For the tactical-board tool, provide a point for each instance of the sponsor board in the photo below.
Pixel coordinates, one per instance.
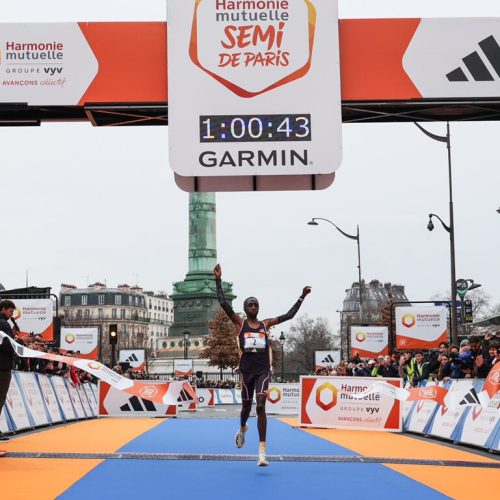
(34, 316)
(135, 357)
(4, 426)
(91, 399)
(183, 367)
(75, 400)
(84, 400)
(274, 83)
(327, 402)
(49, 398)
(326, 359)
(33, 398)
(59, 385)
(283, 399)
(226, 397)
(16, 406)
(369, 341)
(421, 414)
(206, 397)
(116, 403)
(421, 327)
(84, 340)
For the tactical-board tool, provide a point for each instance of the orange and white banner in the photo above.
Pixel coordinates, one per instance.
(183, 367)
(348, 403)
(165, 393)
(82, 340)
(421, 327)
(35, 316)
(369, 341)
(136, 358)
(206, 397)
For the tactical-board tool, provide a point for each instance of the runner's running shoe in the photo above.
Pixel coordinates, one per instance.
(240, 437)
(263, 461)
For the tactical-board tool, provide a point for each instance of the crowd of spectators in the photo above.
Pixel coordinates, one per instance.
(48, 367)
(474, 358)
(125, 370)
(215, 384)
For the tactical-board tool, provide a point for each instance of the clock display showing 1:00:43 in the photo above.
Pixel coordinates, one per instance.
(255, 128)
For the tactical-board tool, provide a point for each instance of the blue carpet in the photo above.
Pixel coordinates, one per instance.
(135, 479)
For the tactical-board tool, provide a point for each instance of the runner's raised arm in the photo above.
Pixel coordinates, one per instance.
(222, 299)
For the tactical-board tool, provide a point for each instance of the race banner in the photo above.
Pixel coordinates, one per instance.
(183, 367)
(206, 397)
(75, 400)
(35, 317)
(491, 386)
(91, 399)
(326, 359)
(63, 397)
(33, 398)
(82, 340)
(49, 397)
(421, 327)
(4, 425)
(165, 393)
(115, 403)
(369, 341)
(136, 358)
(16, 406)
(283, 399)
(328, 402)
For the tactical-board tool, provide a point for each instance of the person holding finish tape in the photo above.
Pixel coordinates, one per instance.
(255, 359)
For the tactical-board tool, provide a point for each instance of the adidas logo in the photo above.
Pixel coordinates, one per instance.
(476, 64)
(134, 404)
(328, 359)
(184, 396)
(132, 358)
(471, 398)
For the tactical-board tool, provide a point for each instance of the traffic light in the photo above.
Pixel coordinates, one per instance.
(113, 334)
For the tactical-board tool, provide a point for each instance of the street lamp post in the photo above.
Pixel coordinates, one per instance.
(186, 334)
(449, 229)
(282, 343)
(313, 222)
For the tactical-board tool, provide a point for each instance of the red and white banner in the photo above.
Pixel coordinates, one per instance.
(136, 358)
(113, 402)
(329, 402)
(421, 327)
(206, 397)
(165, 393)
(82, 340)
(283, 399)
(369, 341)
(183, 367)
(35, 316)
(326, 359)
(491, 386)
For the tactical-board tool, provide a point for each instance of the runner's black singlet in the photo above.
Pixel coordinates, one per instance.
(254, 345)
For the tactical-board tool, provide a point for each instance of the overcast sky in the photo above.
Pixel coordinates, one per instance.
(82, 204)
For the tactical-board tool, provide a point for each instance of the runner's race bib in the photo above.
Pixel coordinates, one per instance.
(255, 342)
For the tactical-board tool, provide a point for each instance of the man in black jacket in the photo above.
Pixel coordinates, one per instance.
(7, 309)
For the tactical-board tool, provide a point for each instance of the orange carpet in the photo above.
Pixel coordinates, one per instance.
(456, 482)
(45, 479)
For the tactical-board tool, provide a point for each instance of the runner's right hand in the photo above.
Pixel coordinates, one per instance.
(218, 272)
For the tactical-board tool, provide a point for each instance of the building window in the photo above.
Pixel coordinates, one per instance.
(67, 300)
(113, 313)
(79, 313)
(122, 313)
(85, 299)
(101, 313)
(172, 344)
(137, 301)
(100, 299)
(196, 343)
(87, 313)
(165, 344)
(131, 300)
(118, 299)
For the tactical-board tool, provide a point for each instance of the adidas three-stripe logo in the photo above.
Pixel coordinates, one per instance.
(184, 396)
(328, 359)
(135, 405)
(475, 64)
(132, 357)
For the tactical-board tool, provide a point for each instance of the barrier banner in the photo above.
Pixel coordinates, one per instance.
(328, 402)
(369, 341)
(184, 402)
(35, 316)
(91, 399)
(491, 386)
(480, 423)
(16, 406)
(206, 397)
(4, 425)
(84, 400)
(283, 399)
(166, 393)
(183, 367)
(115, 403)
(226, 397)
(421, 413)
(136, 358)
(326, 359)
(33, 398)
(49, 397)
(82, 340)
(421, 327)
(63, 397)
(75, 400)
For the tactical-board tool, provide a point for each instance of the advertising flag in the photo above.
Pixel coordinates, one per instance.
(421, 327)
(183, 367)
(82, 340)
(135, 357)
(369, 341)
(34, 317)
(491, 386)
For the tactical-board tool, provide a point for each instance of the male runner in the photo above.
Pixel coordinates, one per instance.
(255, 359)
